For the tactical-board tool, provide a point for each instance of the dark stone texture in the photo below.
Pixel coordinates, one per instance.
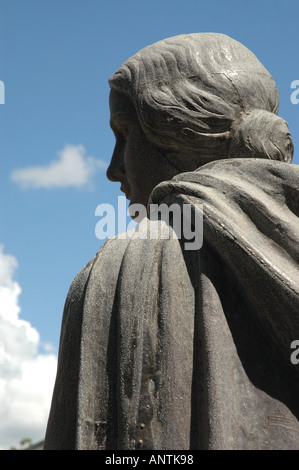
(162, 347)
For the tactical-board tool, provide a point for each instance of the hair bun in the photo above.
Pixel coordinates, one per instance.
(261, 134)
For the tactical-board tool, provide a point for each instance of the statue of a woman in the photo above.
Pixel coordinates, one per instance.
(168, 348)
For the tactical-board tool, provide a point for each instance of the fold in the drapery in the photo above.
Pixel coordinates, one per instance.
(163, 348)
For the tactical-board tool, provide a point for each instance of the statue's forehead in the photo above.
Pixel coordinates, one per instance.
(120, 103)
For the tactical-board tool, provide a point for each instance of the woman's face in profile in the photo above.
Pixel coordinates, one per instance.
(136, 163)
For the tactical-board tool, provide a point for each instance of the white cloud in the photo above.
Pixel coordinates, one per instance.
(26, 376)
(73, 168)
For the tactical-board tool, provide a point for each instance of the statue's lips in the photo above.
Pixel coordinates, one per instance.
(126, 190)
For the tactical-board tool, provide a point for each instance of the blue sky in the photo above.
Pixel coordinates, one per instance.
(55, 60)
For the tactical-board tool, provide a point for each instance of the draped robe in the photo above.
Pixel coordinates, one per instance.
(167, 348)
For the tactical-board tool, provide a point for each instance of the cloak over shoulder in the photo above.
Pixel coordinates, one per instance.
(165, 348)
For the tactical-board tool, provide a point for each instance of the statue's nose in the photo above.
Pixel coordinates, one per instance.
(116, 171)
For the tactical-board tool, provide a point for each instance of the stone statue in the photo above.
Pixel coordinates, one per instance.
(167, 348)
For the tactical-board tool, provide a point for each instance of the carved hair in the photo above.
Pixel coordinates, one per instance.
(205, 96)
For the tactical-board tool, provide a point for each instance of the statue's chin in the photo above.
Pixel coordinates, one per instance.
(137, 211)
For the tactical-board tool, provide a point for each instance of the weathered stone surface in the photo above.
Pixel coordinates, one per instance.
(167, 348)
